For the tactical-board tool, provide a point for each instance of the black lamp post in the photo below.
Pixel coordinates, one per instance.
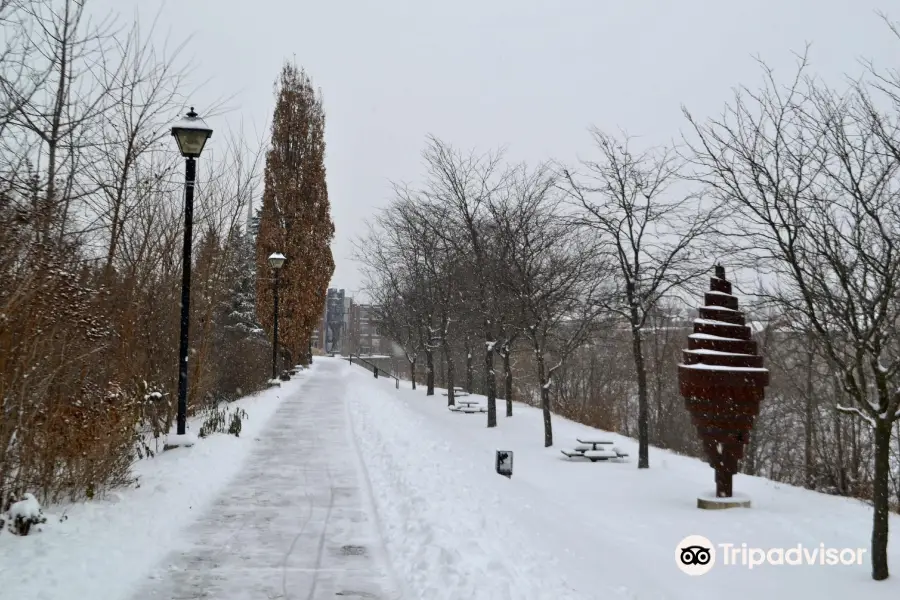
(191, 134)
(276, 261)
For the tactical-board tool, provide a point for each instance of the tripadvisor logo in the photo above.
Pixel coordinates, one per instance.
(696, 555)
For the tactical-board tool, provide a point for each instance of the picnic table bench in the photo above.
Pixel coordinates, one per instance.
(591, 449)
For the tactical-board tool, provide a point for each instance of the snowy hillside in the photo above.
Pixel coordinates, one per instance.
(565, 529)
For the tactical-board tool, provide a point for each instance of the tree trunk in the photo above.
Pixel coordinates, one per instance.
(469, 367)
(881, 499)
(508, 381)
(898, 453)
(591, 396)
(841, 459)
(545, 396)
(490, 379)
(429, 372)
(643, 412)
(53, 137)
(658, 417)
(443, 369)
(657, 424)
(412, 373)
(451, 399)
(809, 475)
(856, 455)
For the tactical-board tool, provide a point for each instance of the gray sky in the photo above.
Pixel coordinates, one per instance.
(531, 75)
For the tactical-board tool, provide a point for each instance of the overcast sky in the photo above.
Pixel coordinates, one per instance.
(531, 75)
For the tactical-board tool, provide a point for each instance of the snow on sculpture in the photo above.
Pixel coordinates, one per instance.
(722, 380)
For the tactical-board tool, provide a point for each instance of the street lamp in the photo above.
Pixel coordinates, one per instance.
(276, 261)
(191, 134)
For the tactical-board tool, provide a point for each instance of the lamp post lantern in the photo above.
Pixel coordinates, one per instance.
(191, 134)
(276, 261)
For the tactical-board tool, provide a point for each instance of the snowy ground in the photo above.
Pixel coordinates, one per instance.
(289, 511)
(564, 529)
(105, 548)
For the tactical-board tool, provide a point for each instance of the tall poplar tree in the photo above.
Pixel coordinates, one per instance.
(296, 216)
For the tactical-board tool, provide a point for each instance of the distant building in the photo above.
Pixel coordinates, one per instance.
(331, 336)
(364, 336)
(335, 319)
(349, 327)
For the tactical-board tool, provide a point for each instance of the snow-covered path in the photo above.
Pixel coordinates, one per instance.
(296, 523)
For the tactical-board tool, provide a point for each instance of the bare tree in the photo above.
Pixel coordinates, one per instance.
(651, 233)
(58, 123)
(554, 274)
(20, 77)
(442, 267)
(513, 217)
(142, 97)
(395, 321)
(393, 255)
(465, 185)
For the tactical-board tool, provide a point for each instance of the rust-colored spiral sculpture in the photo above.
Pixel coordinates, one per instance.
(722, 380)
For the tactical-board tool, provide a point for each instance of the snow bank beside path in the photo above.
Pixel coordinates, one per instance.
(446, 518)
(104, 547)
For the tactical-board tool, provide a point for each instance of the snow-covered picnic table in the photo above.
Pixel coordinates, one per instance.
(458, 392)
(468, 407)
(589, 448)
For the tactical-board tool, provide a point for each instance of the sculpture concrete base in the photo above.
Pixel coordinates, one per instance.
(711, 502)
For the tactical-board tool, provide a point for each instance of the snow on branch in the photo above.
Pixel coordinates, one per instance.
(855, 411)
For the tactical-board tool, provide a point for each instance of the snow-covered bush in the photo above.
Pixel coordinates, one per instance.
(23, 515)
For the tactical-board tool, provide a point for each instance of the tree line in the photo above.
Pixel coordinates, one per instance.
(91, 201)
(573, 287)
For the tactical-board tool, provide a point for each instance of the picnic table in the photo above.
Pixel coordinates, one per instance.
(592, 450)
(458, 391)
(468, 407)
